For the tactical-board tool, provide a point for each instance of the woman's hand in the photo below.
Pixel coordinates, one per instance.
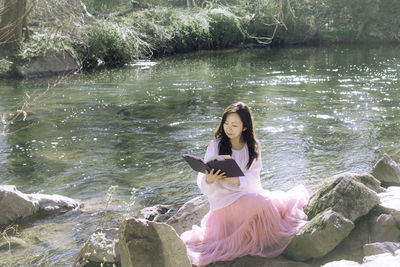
(212, 176)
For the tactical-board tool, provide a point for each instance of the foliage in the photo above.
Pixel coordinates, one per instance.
(108, 44)
(40, 45)
(106, 6)
(225, 28)
(189, 31)
(113, 43)
(177, 30)
(155, 28)
(5, 67)
(344, 21)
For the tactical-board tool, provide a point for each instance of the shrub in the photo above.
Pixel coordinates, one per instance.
(108, 43)
(190, 31)
(225, 28)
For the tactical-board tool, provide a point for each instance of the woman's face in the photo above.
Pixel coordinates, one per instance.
(233, 126)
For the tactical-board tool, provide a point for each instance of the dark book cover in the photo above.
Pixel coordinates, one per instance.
(229, 166)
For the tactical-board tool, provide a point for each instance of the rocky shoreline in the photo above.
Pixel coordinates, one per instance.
(353, 220)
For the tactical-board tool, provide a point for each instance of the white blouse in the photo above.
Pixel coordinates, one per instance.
(222, 194)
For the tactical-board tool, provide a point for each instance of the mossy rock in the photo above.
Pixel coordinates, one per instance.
(319, 236)
(347, 193)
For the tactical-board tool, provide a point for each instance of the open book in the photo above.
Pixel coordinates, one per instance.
(224, 163)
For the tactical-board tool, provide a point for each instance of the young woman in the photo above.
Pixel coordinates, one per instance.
(244, 219)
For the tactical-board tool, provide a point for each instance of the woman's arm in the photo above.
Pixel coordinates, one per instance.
(206, 188)
(251, 178)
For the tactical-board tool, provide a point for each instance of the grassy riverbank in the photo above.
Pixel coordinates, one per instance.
(117, 38)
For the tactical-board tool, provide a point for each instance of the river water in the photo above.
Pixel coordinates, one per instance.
(317, 111)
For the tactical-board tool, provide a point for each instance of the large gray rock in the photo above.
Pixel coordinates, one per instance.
(319, 236)
(351, 248)
(62, 62)
(380, 248)
(15, 205)
(101, 247)
(190, 214)
(387, 171)
(145, 243)
(352, 195)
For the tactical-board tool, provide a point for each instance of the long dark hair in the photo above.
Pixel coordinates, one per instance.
(225, 146)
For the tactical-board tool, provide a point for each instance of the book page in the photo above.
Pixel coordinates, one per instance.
(220, 157)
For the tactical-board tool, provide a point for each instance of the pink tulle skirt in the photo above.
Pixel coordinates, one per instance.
(255, 224)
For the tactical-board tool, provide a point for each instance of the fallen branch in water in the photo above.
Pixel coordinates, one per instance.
(22, 113)
(4, 234)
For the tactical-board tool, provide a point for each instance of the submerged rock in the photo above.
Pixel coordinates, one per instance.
(145, 243)
(15, 205)
(12, 242)
(387, 171)
(62, 62)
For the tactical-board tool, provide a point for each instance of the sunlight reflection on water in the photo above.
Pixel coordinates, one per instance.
(318, 111)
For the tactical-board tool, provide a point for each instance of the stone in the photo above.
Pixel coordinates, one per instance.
(319, 236)
(54, 63)
(384, 228)
(370, 228)
(260, 262)
(346, 194)
(53, 204)
(351, 248)
(15, 205)
(101, 247)
(145, 243)
(385, 259)
(390, 203)
(387, 171)
(154, 213)
(380, 248)
(342, 263)
(190, 214)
